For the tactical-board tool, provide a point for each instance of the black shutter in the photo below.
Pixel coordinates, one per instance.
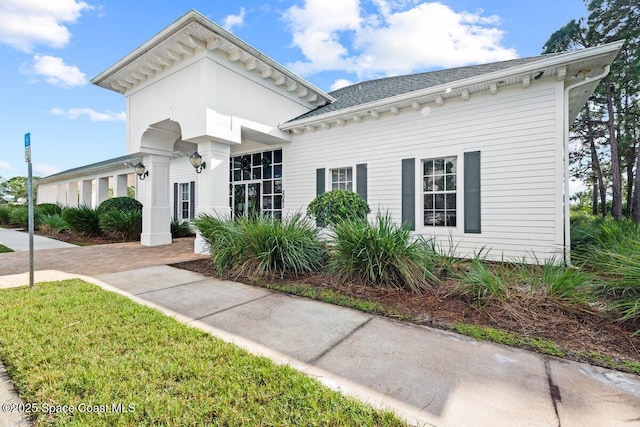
(472, 192)
(175, 200)
(409, 193)
(192, 199)
(319, 181)
(361, 180)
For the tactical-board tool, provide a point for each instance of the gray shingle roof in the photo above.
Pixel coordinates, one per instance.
(374, 90)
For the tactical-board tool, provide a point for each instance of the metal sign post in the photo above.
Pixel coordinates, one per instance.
(27, 158)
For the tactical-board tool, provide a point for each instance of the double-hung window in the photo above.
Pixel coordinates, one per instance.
(185, 200)
(439, 191)
(342, 179)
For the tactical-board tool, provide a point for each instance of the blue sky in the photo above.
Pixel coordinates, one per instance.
(50, 50)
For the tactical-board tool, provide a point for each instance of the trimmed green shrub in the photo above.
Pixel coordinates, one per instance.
(260, 246)
(49, 209)
(53, 224)
(121, 225)
(125, 204)
(334, 207)
(19, 217)
(4, 215)
(181, 228)
(381, 254)
(83, 220)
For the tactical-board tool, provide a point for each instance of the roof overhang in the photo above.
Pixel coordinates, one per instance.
(569, 67)
(193, 33)
(100, 168)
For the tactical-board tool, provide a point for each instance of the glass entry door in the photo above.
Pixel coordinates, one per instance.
(246, 199)
(255, 184)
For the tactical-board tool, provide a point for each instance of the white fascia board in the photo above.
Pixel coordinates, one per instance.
(554, 61)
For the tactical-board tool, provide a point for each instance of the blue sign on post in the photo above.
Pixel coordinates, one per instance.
(27, 147)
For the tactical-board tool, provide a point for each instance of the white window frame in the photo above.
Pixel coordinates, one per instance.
(182, 200)
(444, 191)
(342, 184)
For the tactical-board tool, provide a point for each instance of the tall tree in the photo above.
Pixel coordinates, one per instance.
(615, 105)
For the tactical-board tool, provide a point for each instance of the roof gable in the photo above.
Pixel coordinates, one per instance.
(193, 33)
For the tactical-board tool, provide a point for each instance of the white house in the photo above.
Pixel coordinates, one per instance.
(475, 156)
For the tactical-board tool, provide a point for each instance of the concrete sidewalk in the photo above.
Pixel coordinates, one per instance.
(429, 376)
(19, 241)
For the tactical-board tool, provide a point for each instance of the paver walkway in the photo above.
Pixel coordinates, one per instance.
(430, 376)
(99, 259)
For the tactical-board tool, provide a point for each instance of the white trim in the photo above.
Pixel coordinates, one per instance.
(439, 153)
(447, 89)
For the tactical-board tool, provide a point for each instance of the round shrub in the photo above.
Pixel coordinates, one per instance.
(333, 207)
(49, 209)
(124, 204)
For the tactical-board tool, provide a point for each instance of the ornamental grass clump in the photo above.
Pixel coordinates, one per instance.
(121, 225)
(53, 224)
(611, 250)
(181, 228)
(484, 281)
(261, 246)
(381, 253)
(83, 220)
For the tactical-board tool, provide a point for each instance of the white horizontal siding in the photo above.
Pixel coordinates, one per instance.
(182, 172)
(516, 132)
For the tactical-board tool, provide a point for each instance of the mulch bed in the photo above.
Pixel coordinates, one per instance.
(576, 330)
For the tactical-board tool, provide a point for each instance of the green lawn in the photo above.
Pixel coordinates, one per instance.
(3, 248)
(72, 343)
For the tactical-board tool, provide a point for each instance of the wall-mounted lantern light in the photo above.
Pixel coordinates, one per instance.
(140, 171)
(196, 162)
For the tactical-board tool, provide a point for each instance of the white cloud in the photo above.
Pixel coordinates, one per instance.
(316, 29)
(43, 169)
(391, 37)
(26, 23)
(55, 71)
(4, 166)
(340, 83)
(94, 116)
(231, 21)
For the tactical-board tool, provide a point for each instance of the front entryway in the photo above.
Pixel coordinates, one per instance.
(256, 184)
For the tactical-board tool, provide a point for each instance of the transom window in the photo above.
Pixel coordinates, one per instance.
(342, 179)
(185, 197)
(439, 191)
(256, 184)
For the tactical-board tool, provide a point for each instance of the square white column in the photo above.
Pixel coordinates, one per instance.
(120, 186)
(86, 192)
(213, 185)
(72, 194)
(61, 194)
(102, 192)
(156, 211)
